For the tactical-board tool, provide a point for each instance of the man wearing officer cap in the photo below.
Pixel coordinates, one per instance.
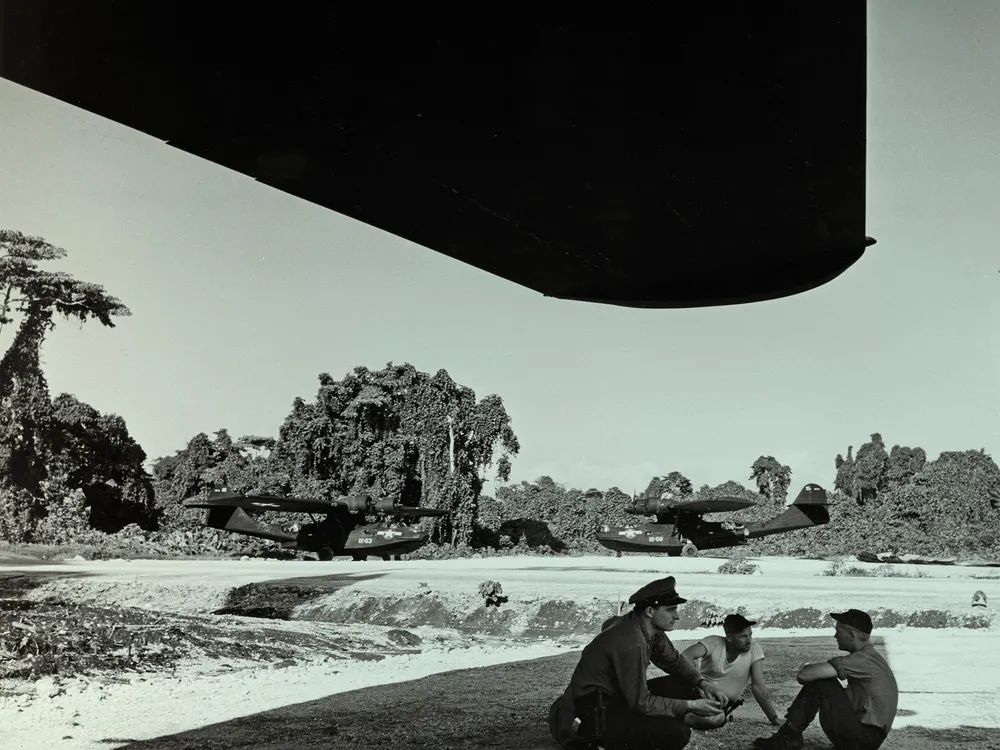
(859, 716)
(612, 673)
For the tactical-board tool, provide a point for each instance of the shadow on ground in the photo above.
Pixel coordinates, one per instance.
(17, 583)
(504, 706)
(276, 599)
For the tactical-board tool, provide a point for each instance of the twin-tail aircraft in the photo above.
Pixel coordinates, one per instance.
(345, 530)
(681, 530)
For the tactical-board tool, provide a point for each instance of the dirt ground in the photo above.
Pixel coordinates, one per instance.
(505, 707)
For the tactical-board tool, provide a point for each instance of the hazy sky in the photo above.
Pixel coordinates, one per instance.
(241, 295)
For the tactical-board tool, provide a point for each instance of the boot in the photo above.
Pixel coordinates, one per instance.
(785, 738)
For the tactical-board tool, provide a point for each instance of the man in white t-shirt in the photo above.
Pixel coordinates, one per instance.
(731, 662)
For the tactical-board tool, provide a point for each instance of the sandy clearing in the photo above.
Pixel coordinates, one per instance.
(202, 586)
(89, 713)
(945, 675)
(238, 572)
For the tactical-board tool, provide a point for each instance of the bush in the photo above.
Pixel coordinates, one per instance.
(492, 592)
(886, 570)
(738, 566)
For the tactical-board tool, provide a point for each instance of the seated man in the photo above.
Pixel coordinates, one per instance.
(859, 717)
(611, 676)
(731, 662)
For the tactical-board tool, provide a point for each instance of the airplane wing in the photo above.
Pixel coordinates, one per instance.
(262, 502)
(406, 510)
(713, 505)
(461, 159)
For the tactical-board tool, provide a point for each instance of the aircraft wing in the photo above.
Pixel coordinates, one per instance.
(554, 161)
(406, 510)
(262, 502)
(713, 505)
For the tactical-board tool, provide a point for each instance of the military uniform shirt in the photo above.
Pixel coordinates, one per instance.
(615, 662)
(871, 686)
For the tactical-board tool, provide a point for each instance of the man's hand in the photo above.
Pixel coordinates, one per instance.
(711, 691)
(705, 707)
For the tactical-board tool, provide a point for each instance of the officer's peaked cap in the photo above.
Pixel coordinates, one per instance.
(658, 593)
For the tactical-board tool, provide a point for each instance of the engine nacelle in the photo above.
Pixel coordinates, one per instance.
(650, 506)
(385, 505)
(356, 503)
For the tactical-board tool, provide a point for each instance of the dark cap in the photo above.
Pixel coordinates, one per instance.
(656, 594)
(736, 623)
(855, 618)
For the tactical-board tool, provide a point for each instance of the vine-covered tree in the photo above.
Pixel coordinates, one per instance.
(402, 433)
(31, 298)
(846, 480)
(207, 464)
(673, 484)
(94, 453)
(871, 469)
(772, 478)
(903, 464)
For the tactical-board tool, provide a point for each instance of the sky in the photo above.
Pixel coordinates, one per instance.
(242, 295)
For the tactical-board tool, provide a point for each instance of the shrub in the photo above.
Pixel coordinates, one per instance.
(738, 566)
(492, 592)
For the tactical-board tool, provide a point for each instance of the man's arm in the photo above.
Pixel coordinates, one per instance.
(694, 652)
(760, 691)
(630, 668)
(822, 670)
(665, 656)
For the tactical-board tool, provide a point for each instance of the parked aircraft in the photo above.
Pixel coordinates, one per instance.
(345, 530)
(681, 530)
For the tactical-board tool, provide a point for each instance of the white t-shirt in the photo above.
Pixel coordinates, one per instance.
(731, 678)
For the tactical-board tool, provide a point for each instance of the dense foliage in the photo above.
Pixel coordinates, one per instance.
(63, 465)
(395, 432)
(71, 475)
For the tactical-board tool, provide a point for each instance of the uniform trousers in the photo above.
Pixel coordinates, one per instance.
(624, 729)
(836, 716)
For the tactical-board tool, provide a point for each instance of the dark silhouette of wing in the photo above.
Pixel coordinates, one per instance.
(262, 503)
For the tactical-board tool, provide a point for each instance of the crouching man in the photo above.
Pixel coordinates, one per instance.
(730, 663)
(858, 717)
(608, 700)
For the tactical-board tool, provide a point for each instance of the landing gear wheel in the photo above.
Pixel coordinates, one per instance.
(618, 554)
(387, 558)
(689, 550)
(359, 558)
(325, 554)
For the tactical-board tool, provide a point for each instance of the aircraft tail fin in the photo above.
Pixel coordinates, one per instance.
(809, 509)
(811, 494)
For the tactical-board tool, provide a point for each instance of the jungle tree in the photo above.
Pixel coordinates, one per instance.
(772, 478)
(871, 469)
(401, 433)
(32, 298)
(673, 484)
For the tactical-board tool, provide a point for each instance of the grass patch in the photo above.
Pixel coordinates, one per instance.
(885, 570)
(107, 550)
(504, 707)
(53, 637)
